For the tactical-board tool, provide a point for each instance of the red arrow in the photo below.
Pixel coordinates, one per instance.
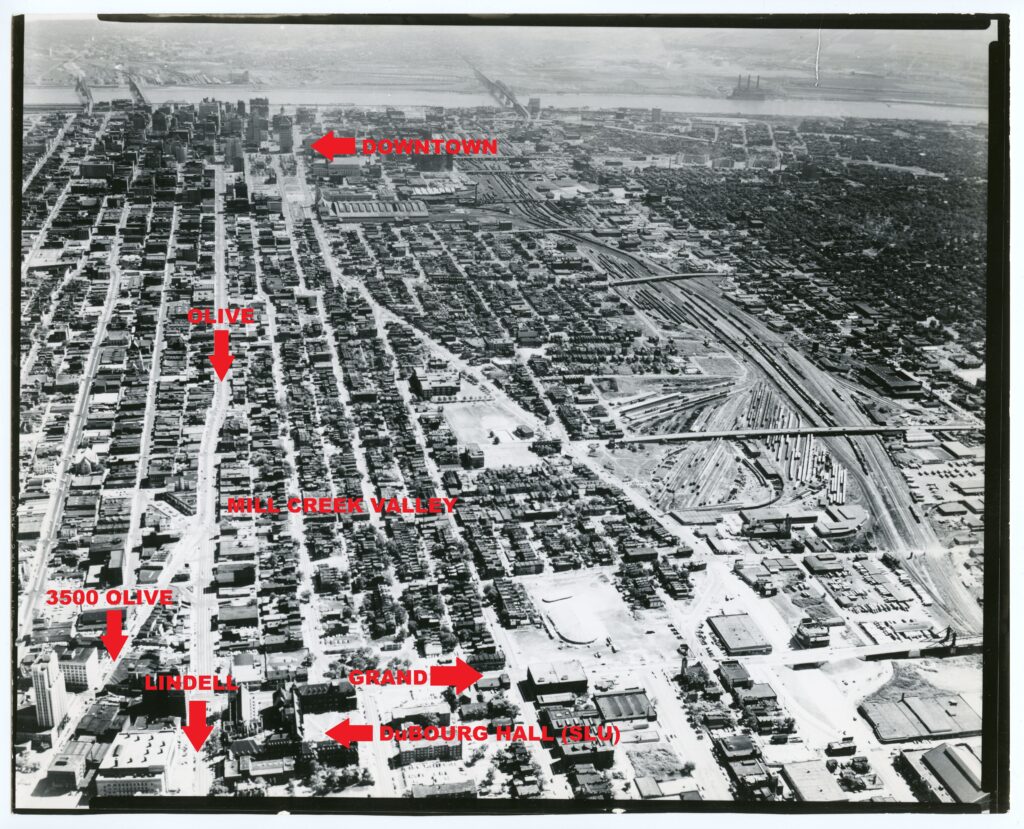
(197, 729)
(331, 145)
(221, 358)
(113, 640)
(346, 733)
(461, 675)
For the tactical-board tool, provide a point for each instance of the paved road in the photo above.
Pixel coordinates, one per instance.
(55, 507)
(57, 139)
(203, 529)
(138, 499)
(76, 423)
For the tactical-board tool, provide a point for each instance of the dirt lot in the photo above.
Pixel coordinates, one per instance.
(475, 423)
(627, 631)
(658, 762)
(928, 677)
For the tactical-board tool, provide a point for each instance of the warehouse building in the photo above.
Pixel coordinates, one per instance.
(623, 706)
(739, 635)
(812, 782)
(557, 678)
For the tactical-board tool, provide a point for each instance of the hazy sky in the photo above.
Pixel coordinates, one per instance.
(587, 56)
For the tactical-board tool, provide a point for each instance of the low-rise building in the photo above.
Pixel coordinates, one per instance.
(557, 677)
(138, 763)
(405, 754)
(739, 635)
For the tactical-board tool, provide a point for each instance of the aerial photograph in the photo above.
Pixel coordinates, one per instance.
(433, 415)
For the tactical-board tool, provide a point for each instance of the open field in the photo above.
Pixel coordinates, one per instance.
(628, 632)
(480, 423)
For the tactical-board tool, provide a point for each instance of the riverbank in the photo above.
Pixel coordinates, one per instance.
(393, 96)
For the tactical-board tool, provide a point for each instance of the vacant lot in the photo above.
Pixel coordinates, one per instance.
(658, 762)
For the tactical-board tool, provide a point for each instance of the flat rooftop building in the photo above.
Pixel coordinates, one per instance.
(137, 763)
(811, 781)
(372, 211)
(739, 635)
(558, 677)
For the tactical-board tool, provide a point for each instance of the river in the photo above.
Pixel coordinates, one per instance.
(411, 98)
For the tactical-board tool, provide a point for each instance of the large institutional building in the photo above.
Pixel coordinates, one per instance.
(137, 763)
(51, 696)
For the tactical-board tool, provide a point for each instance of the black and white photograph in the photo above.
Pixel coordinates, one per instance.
(517, 415)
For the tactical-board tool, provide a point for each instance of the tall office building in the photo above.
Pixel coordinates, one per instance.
(161, 120)
(256, 130)
(51, 696)
(233, 153)
(260, 108)
(208, 108)
(284, 137)
(534, 107)
(80, 668)
(656, 115)
(258, 127)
